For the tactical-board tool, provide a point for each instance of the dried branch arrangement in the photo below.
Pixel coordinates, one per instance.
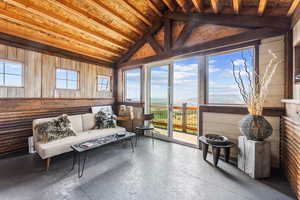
(254, 88)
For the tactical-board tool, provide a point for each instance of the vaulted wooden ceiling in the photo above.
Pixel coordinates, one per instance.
(107, 30)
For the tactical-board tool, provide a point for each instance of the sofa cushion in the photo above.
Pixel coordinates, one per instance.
(76, 122)
(64, 145)
(54, 129)
(88, 121)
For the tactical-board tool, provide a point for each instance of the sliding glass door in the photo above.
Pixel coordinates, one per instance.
(172, 96)
(160, 98)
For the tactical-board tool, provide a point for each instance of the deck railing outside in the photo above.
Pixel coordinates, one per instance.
(184, 118)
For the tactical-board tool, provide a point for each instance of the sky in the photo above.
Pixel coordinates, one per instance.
(222, 87)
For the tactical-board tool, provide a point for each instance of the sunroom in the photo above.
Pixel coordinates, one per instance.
(149, 99)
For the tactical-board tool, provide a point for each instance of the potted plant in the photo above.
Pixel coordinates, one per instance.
(254, 89)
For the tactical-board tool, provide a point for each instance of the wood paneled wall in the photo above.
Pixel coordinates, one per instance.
(39, 98)
(290, 144)
(39, 76)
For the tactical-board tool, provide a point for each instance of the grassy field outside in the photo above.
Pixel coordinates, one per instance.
(161, 119)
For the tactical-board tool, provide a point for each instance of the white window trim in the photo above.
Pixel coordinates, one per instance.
(108, 88)
(22, 74)
(77, 81)
(124, 85)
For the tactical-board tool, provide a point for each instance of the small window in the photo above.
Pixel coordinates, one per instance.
(103, 83)
(11, 74)
(66, 79)
(132, 80)
(222, 88)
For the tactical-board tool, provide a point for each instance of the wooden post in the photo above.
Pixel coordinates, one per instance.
(47, 163)
(184, 117)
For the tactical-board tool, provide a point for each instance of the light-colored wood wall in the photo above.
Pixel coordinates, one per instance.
(39, 76)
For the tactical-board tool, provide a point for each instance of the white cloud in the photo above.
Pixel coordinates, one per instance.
(211, 61)
(238, 62)
(213, 69)
(186, 68)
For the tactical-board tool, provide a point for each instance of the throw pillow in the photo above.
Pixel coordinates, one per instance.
(105, 120)
(55, 129)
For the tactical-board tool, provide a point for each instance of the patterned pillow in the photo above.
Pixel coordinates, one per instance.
(55, 129)
(105, 120)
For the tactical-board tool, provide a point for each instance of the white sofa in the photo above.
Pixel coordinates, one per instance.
(82, 125)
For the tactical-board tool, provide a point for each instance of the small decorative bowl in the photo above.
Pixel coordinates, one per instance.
(216, 139)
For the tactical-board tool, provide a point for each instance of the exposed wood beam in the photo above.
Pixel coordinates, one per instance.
(154, 7)
(157, 48)
(206, 47)
(215, 4)
(198, 5)
(184, 34)
(137, 13)
(119, 17)
(293, 7)
(181, 3)
(90, 18)
(167, 34)
(242, 21)
(8, 14)
(169, 4)
(261, 7)
(236, 6)
(61, 20)
(140, 42)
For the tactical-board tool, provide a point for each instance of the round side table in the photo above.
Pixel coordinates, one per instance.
(215, 150)
(141, 129)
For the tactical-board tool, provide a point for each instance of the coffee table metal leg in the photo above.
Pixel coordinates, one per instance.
(131, 142)
(80, 171)
(204, 150)
(74, 159)
(226, 154)
(216, 155)
(152, 138)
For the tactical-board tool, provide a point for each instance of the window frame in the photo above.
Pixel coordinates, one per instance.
(255, 48)
(124, 83)
(22, 74)
(108, 85)
(66, 69)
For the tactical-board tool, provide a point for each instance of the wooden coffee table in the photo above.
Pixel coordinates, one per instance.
(215, 150)
(96, 143)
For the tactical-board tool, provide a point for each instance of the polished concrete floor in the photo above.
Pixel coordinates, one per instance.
(164, 171)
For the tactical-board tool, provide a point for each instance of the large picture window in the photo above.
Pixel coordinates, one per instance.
(132, 80)
(11, 74)
(222, 88)
(66, 79)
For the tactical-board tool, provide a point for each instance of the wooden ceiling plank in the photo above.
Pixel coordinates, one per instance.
(58, 19)
(153, 43)
(119, 17)
(236, 6)
(262, 7)
(9, 14)
(48, 40)
(154, 7)
(91, 18)
(293, 7)
(169, 4)
(242, 21)
(167, 34)
(198, 5)
(181, 3)
(11, 40)
(184, 34)
(215, 4)
(137, 13)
